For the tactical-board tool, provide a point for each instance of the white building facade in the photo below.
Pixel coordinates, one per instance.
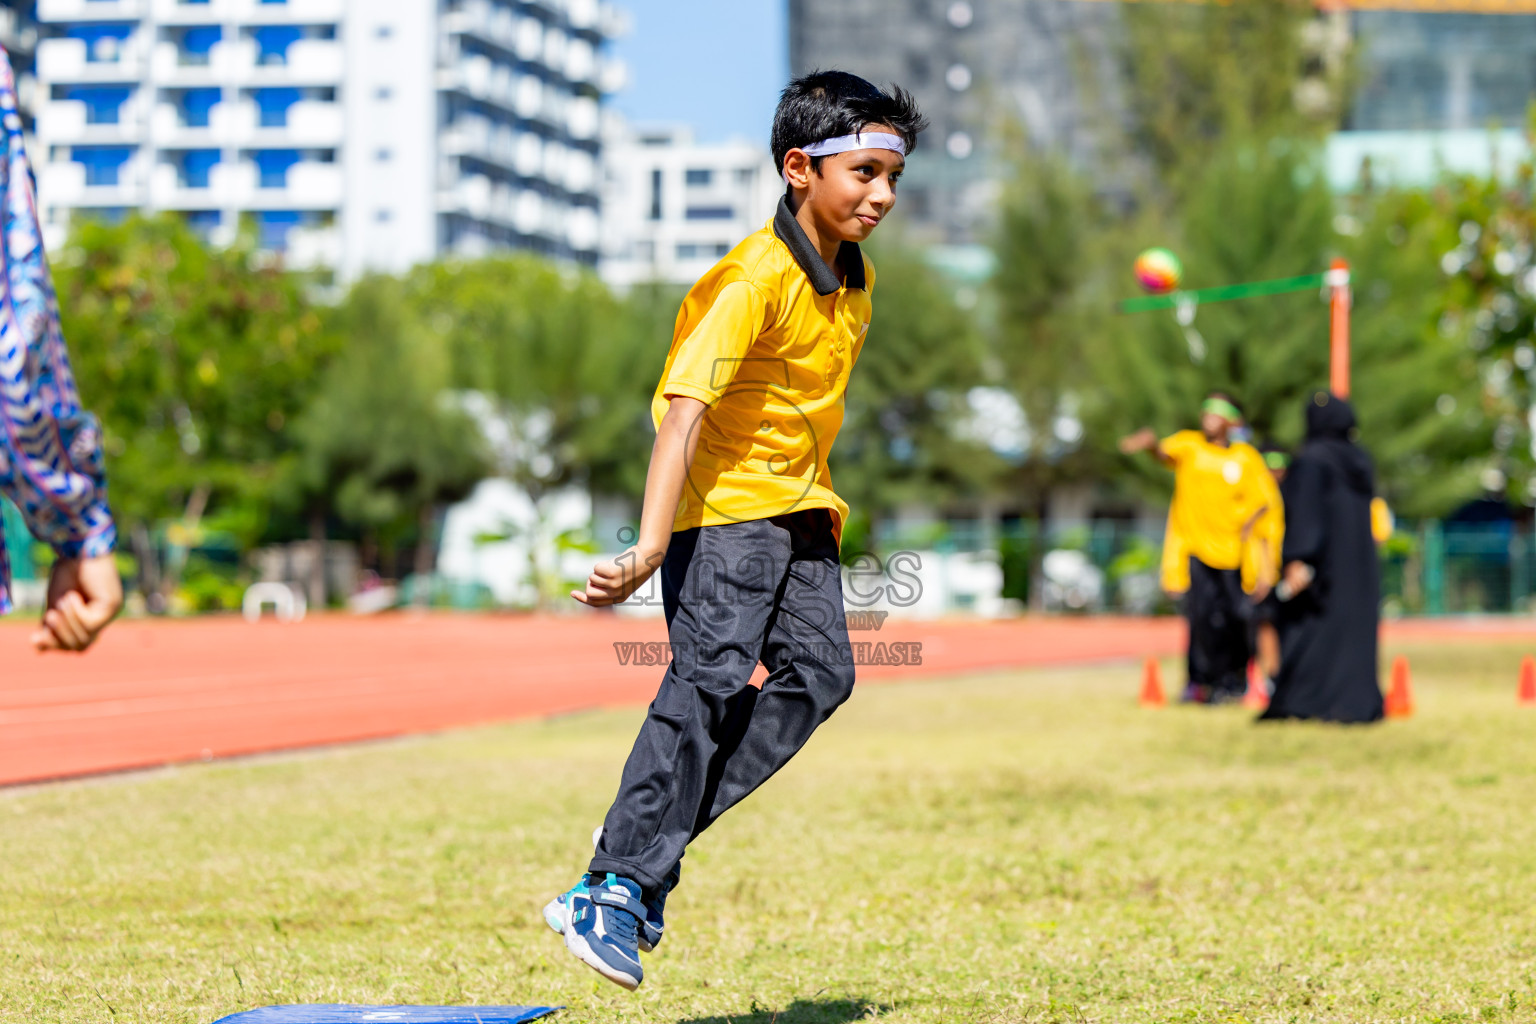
(352, 134)
(672, 206)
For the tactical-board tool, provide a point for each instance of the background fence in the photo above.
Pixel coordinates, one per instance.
(1429, 567)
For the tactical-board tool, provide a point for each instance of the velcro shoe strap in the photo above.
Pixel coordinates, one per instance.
(619, 900)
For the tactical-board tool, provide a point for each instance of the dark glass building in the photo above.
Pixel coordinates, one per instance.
(1442, 72)
(975, 66)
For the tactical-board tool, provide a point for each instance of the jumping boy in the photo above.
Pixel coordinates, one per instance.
(739, 511)
(1221, 490)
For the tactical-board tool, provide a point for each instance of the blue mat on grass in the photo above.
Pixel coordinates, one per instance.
(337, 1013)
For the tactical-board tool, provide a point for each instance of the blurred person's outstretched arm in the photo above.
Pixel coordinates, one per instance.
(1145, 440)
(50, 448)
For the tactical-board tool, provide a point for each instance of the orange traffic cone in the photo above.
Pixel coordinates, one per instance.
(1399, 702)
(1152, 685)
(1257, 696)
(1527, 696)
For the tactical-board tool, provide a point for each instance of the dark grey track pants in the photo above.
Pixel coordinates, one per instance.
(765, 590)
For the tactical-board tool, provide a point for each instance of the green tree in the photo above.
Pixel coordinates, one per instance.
(567, 369)
(195, 359)
(383, 445)
(902, 438)
(1434, 419)
(1199, 76)
(1044, 247)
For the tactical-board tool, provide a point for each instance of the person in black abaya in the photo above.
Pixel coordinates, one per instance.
(1330, 585)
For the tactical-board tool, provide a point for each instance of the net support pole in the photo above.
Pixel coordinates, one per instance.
(1337, 281)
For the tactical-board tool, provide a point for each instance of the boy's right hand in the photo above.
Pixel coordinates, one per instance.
(612, 582)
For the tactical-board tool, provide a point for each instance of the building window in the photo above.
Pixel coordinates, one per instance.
(645, 251)
(383, 156)
(272, 227)
(385, 31)
(656, 194)
(196, 45)
(272, 42)
(710, 213)
(698, 177)
(103, 43)
(196, 167)
(103, 103)
(103, 164)
(687, 251)
(196, 106)
(383, 92)
(272, 166)
(272, 106)
(383, 216)
(202, 222)
(722, 250)
(745, 175)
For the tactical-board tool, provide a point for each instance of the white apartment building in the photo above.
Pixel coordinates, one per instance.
(351, 134)
(672, 206)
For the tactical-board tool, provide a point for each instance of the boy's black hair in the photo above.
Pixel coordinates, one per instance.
(826, 104)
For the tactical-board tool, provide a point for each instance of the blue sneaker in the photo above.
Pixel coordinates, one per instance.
(653, 924)
(557, 912)
(604, 929)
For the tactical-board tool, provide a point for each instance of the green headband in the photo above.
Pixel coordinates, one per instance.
(1276, 460)
(1223, 408)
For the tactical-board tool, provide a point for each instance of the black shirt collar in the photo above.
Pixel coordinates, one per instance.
(822, 279)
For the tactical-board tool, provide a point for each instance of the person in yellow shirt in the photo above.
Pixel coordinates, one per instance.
(1221, 491)
(740, 515)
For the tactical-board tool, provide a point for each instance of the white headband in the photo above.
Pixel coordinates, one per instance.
(849, 143)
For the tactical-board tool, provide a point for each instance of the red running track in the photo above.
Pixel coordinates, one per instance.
(158, 692)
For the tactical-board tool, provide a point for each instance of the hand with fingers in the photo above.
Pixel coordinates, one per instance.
(1297, 577)
(612, 582)
(84, 595)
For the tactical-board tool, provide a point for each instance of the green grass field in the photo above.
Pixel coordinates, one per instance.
(1021, 847)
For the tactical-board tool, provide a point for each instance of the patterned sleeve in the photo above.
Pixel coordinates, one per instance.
(50, 451)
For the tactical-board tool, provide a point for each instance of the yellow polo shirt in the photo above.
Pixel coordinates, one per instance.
(1383, 522)
(1215, 491)
(1262, 559)
(766, 339)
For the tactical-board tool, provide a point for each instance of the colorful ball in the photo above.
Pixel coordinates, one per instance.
(1159, 271)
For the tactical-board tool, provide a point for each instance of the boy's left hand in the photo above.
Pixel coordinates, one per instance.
(612, 582)
(84, 595)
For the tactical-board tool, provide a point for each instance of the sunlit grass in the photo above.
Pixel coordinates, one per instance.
(1021, 847)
